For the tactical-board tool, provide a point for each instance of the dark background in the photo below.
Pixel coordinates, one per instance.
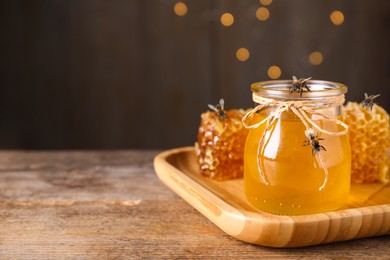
(111, 74)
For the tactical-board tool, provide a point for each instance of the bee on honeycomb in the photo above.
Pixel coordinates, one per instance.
(369, 134)
(221, 142)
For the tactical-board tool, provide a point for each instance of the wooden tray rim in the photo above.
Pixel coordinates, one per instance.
(343, 215)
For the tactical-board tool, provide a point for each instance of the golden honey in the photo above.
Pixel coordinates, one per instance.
(293, 173)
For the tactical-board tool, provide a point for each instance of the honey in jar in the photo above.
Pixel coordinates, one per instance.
(284, 171)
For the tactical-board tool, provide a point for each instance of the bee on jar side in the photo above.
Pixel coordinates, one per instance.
(369, 101)
(219, 109)
(314, 141)
(298, 85)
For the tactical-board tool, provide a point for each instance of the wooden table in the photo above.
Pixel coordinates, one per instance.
(110, 204)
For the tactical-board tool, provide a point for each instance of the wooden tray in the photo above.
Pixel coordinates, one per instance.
(366, 214)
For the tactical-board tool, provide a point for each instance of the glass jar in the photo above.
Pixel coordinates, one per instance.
(285, 171)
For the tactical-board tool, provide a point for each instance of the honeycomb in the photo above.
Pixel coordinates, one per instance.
(369, 134)
(220, 145)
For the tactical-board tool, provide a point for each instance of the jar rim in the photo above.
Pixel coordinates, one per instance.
(281, 89)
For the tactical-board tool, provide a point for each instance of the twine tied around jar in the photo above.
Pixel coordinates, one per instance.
(300, 108)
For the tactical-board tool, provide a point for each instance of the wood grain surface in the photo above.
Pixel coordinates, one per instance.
(110, 204)
(105, 74)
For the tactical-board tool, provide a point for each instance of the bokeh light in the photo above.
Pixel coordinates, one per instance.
(316, 58)
(265, 2)
(227, 19)
(274, 72)
(180, 9)
(242, 54)
(337, 17)
(262, 13)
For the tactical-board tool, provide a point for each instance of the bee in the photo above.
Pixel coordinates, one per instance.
(369, 100)
(219, 109)
(298, 85)
(314, 141)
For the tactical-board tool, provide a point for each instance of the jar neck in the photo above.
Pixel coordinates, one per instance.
(332, 112)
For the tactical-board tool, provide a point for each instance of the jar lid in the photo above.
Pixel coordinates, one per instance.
(280, 89)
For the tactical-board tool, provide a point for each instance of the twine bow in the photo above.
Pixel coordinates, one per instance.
(300, 108)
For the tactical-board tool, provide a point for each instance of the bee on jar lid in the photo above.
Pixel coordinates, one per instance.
(219, 109)
(314, 141)
(369, 100)
(298, 85)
